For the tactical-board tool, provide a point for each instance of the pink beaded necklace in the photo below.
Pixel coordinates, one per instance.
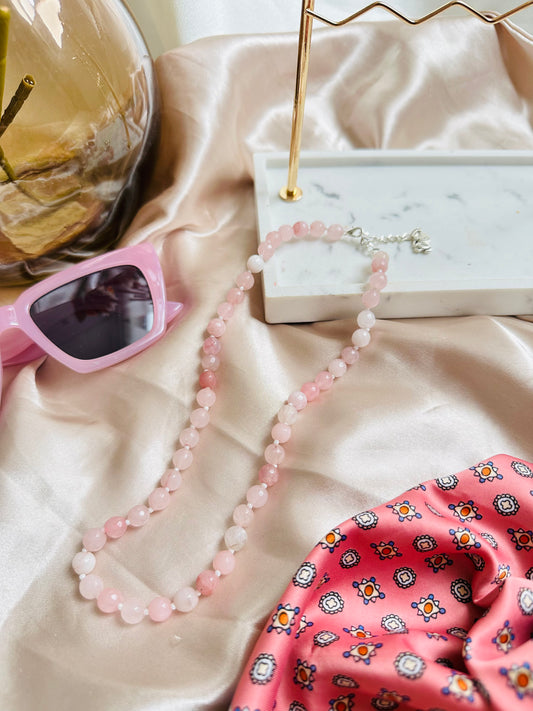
(159, 609)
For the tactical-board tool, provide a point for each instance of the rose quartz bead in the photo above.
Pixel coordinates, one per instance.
(361, 338)
(366, 319)
(224, 562)
(189, 437)
(266, 251)
(311, 391)
(274, 238)
(350, 355)
(83, 562)
(225, 310)
(91, 586)
(301, 229)
(324, 380)
(298, 399)
(182, 459)
(274, 454)
(210, 362)
(334, 232)
(199, 418)
(216, 327)
(235, 538)
(370, 298)
(159, 499)
(235, 296)
(185, 599)
(109, 600)
(206, 582)
(138, 515)
(171, 479)
(257, 496)
(211, 346)
(286, 232)
(115, 527)
(132, 611)
(287, 414)
(206, 397)
(281, 432)
(208, 379)
(255, 264)
(337, 367)
(159, 609)
(378, 281)
(317, 229)
(269, 474)
(245, 280)
(380, 262)
(242, 515)
(94, 539)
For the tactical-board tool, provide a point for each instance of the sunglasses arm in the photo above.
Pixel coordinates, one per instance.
(173, 309)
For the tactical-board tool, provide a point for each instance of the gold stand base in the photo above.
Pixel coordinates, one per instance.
(291, 195)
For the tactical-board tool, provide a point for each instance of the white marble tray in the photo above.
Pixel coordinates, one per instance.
(477, 207)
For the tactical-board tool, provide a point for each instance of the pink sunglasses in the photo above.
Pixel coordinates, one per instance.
(91, 315)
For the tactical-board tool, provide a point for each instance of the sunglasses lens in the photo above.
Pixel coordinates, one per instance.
(97, 314)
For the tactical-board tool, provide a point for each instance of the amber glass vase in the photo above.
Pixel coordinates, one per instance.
(77, 146)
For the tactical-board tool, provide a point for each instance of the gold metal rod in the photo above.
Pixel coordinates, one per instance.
(4, 33)
(484, 17)
(291, 192)
(24, 89)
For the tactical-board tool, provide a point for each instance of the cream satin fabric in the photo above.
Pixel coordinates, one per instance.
(428, 397)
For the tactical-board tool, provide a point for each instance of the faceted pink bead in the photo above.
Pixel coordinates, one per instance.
(243, 515)
(159, 499)
(317, 229)
(138, 515)
(189, 437)
(288, 414)
(246, 280)
(115, 527)
(225, 310)
(206, 582)
(361, 337)
(311, 391)
(281, 432)
(257, 496)
(199, 418)
(274, 454)
(337, 367)
(94, 539)
(159, 609)
(224, 562)
(274, 238)
(132, 611)
(208, 379)
(266, 250)
(211, 346)
(91, 586)
(210, 362)
(83, 562)
(324, 380)
(235, 296)
(185, 599)
(378, 281)
(350, 355)
(366, 319)
(380, 262)
(171, 479)
(109, 600)
(301, 229)
(298, 399)
(182, 459)
(335, 232)
(286, 232)
(206, 397)
(370, 298)
(269, 474)
(216, 327)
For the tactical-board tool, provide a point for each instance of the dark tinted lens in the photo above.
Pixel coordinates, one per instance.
(97, 314)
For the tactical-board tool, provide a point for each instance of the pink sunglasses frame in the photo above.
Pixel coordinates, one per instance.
(28, 342)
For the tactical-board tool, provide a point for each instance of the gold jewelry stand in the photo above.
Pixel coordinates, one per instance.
(291, 192)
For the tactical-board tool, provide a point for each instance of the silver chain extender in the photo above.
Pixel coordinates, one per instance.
(368, 244)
